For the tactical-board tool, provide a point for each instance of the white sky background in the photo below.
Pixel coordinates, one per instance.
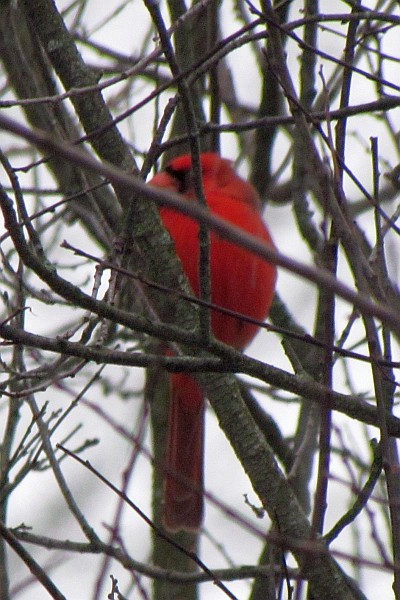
(38, 496)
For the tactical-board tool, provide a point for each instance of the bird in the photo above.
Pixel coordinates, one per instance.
(241, 282)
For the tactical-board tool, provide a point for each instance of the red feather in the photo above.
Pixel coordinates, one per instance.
(240, 281)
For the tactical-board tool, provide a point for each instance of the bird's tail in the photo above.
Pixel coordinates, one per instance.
(183, 484)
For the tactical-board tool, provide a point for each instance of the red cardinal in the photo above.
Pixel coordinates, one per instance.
(240, 281)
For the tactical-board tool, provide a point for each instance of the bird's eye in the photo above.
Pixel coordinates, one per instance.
(183, 179)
